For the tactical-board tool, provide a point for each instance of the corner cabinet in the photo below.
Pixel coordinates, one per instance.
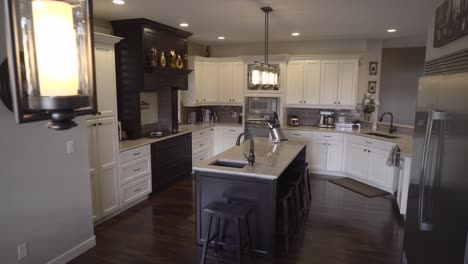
(322, 83)
(215, 82)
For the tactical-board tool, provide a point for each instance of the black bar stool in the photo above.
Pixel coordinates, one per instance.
(286, 227)
(235, 213)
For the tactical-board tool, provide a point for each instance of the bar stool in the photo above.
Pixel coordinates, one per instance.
(298, 188)
(287, 227)
(236, 213)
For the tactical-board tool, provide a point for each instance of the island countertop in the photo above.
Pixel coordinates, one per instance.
(270, 160)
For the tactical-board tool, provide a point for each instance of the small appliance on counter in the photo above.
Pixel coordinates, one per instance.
(293, 120)
(327, 119)
(276, 132)
(192, 118)
(206, 115)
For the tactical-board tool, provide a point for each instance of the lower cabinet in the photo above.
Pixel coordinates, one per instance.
(171, 159)
(103, 159)
(366, 160)
(225, 138)
(202, 145)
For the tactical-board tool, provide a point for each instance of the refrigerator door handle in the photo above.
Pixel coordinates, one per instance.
(466, 250)
(432, 116)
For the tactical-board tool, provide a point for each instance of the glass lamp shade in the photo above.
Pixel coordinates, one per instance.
(51, 59)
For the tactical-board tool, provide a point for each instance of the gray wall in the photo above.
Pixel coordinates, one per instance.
(401, 69)
(45, 195)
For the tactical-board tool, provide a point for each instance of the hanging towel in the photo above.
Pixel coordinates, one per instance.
(394, 157)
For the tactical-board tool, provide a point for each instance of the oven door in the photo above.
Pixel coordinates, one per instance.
(261, 105)
(257, 128)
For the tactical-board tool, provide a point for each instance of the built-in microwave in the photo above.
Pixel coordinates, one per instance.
(261, 105)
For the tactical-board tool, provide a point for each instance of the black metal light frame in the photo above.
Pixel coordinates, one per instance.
(70, 106)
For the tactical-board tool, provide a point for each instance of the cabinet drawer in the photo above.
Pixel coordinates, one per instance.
(327, 136)
(134, 154)
(201, 133)
(204, 155)
(135, 190)
(200, 144)
(135, 169)
(298, 134)
(232, 130)
(370, 142)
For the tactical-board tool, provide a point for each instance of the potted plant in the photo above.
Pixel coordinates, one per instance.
(368, 106)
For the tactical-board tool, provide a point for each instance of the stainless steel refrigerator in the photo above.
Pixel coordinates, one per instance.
(437, 216)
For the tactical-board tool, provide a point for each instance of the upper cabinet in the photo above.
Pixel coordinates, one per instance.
(322, 83)
(215, 82)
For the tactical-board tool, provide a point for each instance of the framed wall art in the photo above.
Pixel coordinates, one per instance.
(373, 67)
(372, 87)
(451, 22)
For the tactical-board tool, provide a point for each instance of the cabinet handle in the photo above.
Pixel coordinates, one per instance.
(137, 190)
(136, 154)
(99, 124)
(327, 136)
(334, 102)
(202, 133)
(300, 102)
(297, 134)
(329, 144)
(233, 100)
(94, 124)
(201, 159)
(325, 143)
(135, 170)
(204, 100)
(99, 113)
(365, 150)
(369, 142)
(339, 102)
(232, 130)
(197, 100)
(201, 145)
(305, 102)
(368, 151)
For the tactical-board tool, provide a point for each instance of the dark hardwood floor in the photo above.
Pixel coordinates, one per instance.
(342, 228)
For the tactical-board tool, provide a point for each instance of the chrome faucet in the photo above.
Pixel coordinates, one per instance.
(251, 157)
(393, 128)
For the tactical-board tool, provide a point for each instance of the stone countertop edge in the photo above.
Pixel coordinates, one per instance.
(405, 142)
(271, 160)
(183, 129)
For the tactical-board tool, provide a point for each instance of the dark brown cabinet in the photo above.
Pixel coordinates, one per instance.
(171, 159)
(133, 66)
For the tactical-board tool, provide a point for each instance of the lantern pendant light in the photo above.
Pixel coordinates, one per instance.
(51, 60)
(264, 75)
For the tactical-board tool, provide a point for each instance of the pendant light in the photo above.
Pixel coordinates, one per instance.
(50, 60)
(264, 76)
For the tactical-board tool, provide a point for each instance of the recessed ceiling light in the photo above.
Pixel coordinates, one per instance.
(184, 24)
(392, 30)
(295, 34)
(220, 37)
(118, 2)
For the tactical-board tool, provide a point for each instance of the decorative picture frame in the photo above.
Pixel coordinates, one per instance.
(373, 67)
(450, 22)
(372, 87)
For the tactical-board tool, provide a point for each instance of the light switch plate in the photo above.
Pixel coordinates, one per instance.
(70, 147)
(22, 251)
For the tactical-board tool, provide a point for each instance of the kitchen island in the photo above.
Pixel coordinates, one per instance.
(227, 176)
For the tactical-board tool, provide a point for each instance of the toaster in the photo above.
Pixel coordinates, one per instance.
(293, 120)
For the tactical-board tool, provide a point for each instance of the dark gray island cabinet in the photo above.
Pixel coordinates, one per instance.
(220, 179)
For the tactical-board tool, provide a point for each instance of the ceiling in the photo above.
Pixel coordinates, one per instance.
(243, 21)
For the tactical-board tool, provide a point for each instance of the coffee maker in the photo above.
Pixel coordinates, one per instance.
(327, 119)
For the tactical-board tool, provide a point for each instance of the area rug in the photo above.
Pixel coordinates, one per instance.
(359, 187)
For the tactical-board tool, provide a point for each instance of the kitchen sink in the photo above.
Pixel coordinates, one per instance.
(230, 164)
(381, 135)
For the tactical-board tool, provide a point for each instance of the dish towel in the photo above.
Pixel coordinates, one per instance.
(394, 157)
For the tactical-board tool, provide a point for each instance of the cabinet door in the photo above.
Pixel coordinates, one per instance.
(378, 172)
(106, 88)
(312, 82)
(107, 149)
(335, 156)
(225, 80)
(197, 91)
(356, 160)
(295, 83)
(93, 172)
(210, 82)
(317, 154)
(218, 140)
(229, 141)
(329, 87)
(349, 71)
(238, 82)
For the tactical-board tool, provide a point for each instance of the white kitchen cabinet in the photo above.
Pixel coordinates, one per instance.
(339, 83)
(202, 145)
(303, 83)
(317, 155)
(215, 81)
(225, 138)
(366, 160)
(404, 175)
(335, 156)
(103, 149)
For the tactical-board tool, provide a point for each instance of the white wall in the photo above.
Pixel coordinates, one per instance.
(45, 197)
(434, 53)
(371, 50)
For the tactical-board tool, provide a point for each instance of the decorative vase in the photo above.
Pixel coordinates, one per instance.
(163, 60)
(173, 59)
(154, 58)
(367, 116)
(179, 62)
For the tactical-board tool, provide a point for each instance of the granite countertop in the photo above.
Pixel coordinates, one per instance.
(183, 129)
(405, 142)
(270, 160)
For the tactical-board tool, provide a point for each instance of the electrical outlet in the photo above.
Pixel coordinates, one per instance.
(70, 147)
(22, 251)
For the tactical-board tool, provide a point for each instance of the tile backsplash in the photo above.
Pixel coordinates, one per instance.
(225, 113)
(310, 117)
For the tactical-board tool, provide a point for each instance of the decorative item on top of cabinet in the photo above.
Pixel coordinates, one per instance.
(179, 62)
(173, 58)
(163, 60)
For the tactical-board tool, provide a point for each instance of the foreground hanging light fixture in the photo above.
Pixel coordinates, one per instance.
(50, 60)
(264, 75)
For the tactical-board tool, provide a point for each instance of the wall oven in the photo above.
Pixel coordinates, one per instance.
(257, 109)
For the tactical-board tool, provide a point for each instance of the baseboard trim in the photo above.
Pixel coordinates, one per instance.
(74, 252)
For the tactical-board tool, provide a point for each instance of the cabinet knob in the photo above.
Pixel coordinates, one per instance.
(99, 113)
(197, 100)
(99, 124)
(339, 102)
(305, 102)
(233, 100)
(94, 124)
(368, 151)
(204, 100)
(300, 102)
(365, 150)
